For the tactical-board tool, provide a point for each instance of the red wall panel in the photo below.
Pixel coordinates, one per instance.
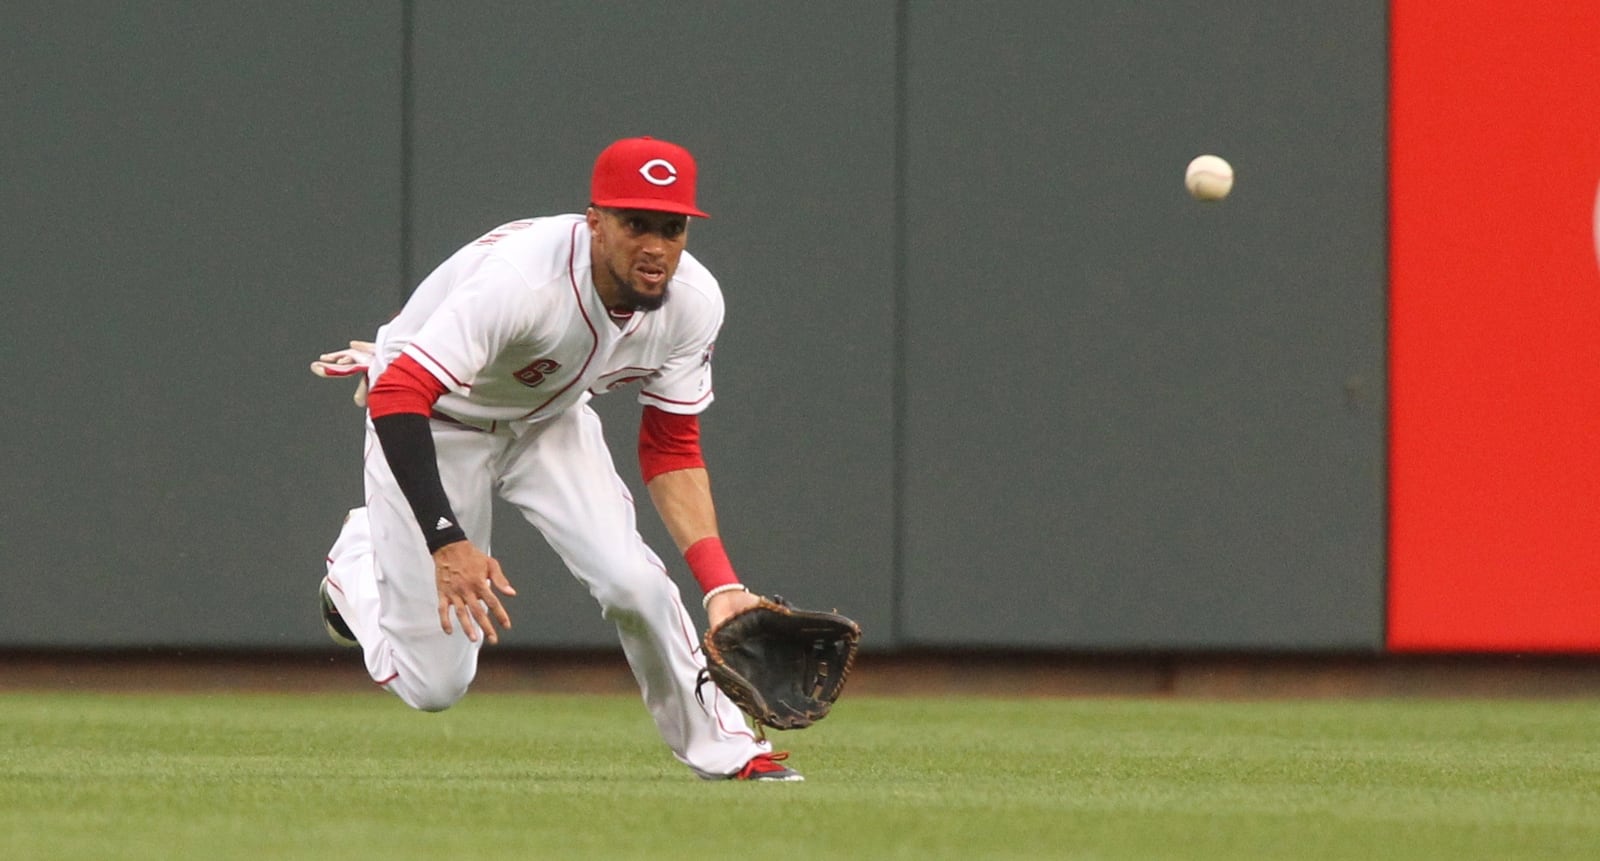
(1494, 326)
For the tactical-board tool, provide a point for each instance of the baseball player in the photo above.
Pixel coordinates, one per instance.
(480, 386)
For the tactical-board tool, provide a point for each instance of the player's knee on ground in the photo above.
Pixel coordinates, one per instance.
(431, 694)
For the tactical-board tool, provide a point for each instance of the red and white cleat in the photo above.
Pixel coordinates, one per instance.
(768, 766)
(353, 362)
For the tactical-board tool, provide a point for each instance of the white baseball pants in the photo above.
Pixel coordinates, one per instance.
(560, 475)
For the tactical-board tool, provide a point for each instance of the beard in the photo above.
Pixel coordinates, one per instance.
(634, 300)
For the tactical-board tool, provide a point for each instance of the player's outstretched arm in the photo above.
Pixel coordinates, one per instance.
(683, 499)
(467, 578)
(675, 473)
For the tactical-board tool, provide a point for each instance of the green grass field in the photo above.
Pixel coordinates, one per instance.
(354, 777)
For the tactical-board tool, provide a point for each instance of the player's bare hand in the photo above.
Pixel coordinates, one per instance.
(468, 579)
(728, 604)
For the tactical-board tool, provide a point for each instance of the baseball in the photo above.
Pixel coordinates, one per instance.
(1209, 177)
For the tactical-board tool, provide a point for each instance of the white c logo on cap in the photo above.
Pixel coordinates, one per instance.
(656, 166)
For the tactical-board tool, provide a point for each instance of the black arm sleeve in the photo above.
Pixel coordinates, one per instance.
(408, 447)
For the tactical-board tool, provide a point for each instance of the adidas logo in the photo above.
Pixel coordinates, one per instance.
(444, 523)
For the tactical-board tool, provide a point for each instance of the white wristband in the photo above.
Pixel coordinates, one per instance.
(726, 587)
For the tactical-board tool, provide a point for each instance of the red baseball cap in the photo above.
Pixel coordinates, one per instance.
(645, 173)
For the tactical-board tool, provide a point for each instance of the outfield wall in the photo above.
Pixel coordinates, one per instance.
(988, 379)
(1495, 310)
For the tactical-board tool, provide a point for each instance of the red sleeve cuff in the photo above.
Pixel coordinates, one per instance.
(404, 387)
(668, 442)
(709, 564)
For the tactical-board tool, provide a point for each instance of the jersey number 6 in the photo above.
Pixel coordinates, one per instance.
(534, 374)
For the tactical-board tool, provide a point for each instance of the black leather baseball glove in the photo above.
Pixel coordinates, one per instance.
(783, 666)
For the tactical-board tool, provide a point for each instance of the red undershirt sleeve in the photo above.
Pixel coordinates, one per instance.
(404, 387)
(668, 442)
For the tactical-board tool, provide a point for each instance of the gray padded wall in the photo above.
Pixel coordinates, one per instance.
(1132, 420)
(988, 378)
(196, 201)
(789, 111)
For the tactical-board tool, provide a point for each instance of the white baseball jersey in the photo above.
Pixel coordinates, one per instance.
(512, 325)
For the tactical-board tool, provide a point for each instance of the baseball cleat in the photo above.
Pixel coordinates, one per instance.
(333, 623)
(353, 362)
(768, 766)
